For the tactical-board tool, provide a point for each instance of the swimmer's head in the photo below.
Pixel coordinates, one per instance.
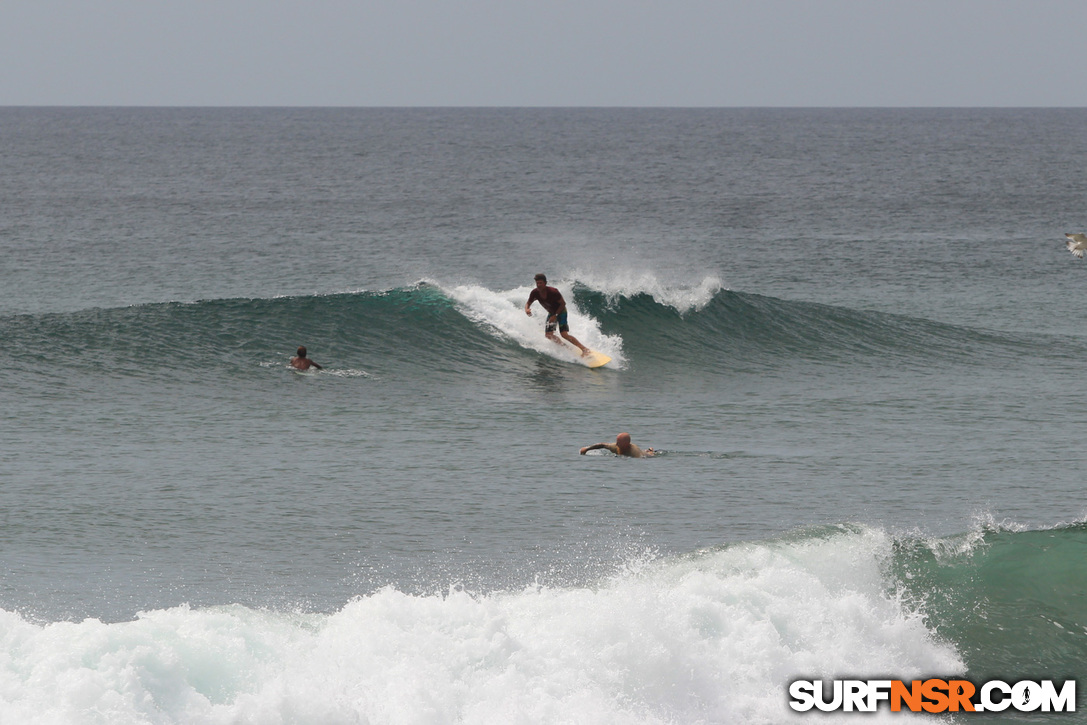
(302, 351)
(623, 440)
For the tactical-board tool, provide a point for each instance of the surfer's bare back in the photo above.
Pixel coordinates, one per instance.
(301, 362)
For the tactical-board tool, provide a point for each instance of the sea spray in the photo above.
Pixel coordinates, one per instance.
(710, 637)
(503, 313)
(682, 298)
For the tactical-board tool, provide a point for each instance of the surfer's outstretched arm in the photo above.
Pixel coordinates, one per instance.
(621, 447)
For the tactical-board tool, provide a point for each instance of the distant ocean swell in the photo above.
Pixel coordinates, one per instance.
(710, 637)
(465, 327)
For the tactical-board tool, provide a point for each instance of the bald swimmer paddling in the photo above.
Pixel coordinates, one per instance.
(621, 447)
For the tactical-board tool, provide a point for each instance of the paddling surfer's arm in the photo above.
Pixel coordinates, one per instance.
(610, 446)
(621, 447)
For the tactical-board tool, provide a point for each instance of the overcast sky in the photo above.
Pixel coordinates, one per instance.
(543, 52)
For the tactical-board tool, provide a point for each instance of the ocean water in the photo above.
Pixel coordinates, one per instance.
(854, 336)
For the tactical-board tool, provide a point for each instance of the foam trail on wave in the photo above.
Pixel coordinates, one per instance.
(714, 637)
(504, 312)
(630, 284)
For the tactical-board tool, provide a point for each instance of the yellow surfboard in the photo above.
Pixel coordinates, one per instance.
(594, 359)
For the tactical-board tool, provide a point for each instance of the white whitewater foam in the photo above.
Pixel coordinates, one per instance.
(629, 284)
(710, 638)
(346, 373)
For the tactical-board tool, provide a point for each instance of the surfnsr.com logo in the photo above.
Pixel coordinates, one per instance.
(933, 695)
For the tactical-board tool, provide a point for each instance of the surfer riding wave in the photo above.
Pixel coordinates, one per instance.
(552, 301)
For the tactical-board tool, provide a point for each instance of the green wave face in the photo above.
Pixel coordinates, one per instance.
(428, 328)
(750, 331)
(1013, 602)
(419, 324)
